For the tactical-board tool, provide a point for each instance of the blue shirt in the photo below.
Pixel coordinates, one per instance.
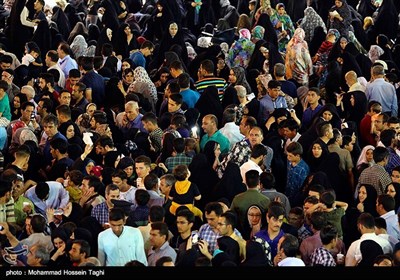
(190, 97)
(66, 64)
(267, 106)
(58, 197)
(138, 59)
(295, 178)
(385, 93)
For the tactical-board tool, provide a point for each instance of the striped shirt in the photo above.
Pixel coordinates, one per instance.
(219, 83)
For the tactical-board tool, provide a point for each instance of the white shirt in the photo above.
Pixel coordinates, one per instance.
(353, 256)
(232, 132)
(249, 165)
(118, 250)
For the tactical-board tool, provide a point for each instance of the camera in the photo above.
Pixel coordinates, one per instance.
(58, 212)
(32, 115)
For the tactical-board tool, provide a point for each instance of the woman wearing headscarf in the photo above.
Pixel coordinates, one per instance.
(263, 19)
(255, 255)
(237, 76)
(340, 17)
(283, 26)
(366, 8)
(209, 103)
(124, 41)
(79, 29)
(387, 16)
(198, 14)
(143, 85)
(375, 52)
(172, 36)
(202, 173)
(159, 21)
(62, 21)
(106, 36)
(310, 21)
(257, 33)
(383, 42)
(298, 60)
(240, 52)
(79, 46)
(364, 203)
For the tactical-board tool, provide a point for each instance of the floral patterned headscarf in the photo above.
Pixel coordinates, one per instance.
(258, 32)
(244, 33)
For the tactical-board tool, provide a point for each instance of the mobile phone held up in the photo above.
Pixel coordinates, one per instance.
(195, 238)
(194, 132)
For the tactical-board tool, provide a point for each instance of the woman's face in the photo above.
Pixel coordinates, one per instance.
(159, 7)
(254, 216)
(128, 78)
(343, 43)
(369, 155)
(89, 167)
(281, 11)
(129, 171)
(125, 65)
(391, 190)
(58, 242)
(395, 176)
(127, 30)
(217, 150)
(316, 150)
(338, 3)
(70, 132)
(327, 115)
(173, 29)
(362, 194)
(232, 77)
(90, 110)
(17, 102)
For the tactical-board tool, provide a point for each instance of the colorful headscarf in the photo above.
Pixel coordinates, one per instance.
(244, 33)
(258, 32)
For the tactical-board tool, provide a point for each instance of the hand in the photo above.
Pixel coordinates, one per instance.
(27, 208)
(68, 209)
(162, 165)
(50, 214)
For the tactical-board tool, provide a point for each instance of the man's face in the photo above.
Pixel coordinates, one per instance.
(208, 125)
(222, 227)
(4, 65)
(42, 84)
(117, 226)
(212, 219)
(73, 81)
(173, 106)
(26, 114)
(74, 253)
(312, 97)
(131, 112)
(118, 181)
(5, 76)
(100, 150)
(50, 129)
(164, 188)
(290, 134)
(255, 136)
(274, 224)
(114, 194)
(183, 225)
(76, 94)
(274, 92)
(141, 169)
(156, 240)
(31, 259)
(65, 98)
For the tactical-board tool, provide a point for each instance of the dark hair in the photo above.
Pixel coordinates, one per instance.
(42, 190)
(252, 178)
(327, 234)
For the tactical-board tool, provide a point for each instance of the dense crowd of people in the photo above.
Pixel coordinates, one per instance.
(199, 133)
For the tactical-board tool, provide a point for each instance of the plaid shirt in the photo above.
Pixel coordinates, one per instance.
(322, 256)
(375, 175)
(100, 212)
(208, 234)
(181, 158)
(7, 212)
